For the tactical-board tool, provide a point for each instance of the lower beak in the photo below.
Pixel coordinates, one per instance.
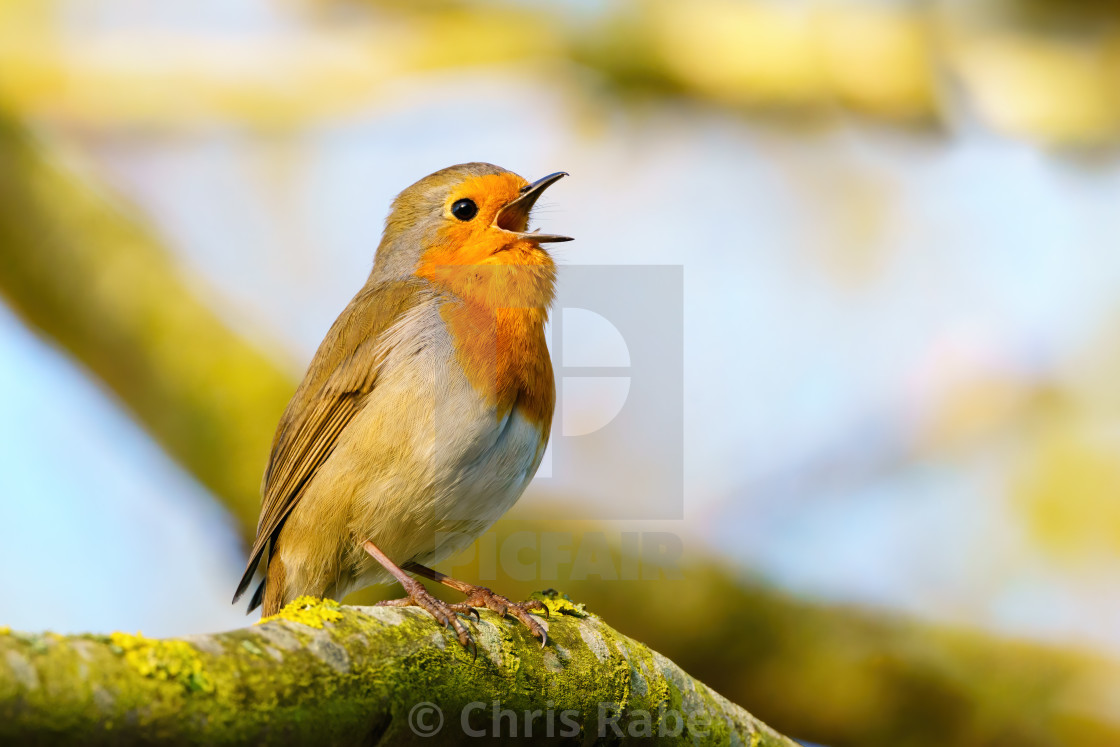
(516, 213)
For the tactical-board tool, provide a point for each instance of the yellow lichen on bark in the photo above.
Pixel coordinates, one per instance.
(309, 611)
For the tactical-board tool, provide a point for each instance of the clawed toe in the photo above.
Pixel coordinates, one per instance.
(482, 597)
(530, 622)
(465, 609)
(479, 597)
(535, 605)
(443, 612)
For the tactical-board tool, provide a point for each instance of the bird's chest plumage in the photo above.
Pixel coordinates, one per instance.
(503, 356)
(493, 402)
(452, 434)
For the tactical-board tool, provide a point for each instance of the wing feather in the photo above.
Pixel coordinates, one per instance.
(342, 375)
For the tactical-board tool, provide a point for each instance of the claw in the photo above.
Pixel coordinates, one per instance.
(480, 596)
(443, 613)
(465, 609)
(483, 597)
(534, 604)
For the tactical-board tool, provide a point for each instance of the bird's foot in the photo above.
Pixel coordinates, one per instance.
(480, 596)
(443, 612)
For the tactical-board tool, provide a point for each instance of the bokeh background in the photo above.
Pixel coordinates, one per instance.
(898, 225)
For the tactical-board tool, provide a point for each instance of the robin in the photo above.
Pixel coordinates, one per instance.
(426, 409)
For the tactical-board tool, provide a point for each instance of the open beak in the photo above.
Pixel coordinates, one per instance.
(514, 217)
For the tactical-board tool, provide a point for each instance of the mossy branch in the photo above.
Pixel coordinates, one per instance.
(321, 673)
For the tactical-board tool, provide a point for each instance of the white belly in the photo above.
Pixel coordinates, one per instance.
(435, 468)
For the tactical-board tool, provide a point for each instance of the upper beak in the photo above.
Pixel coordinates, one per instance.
(516, 213)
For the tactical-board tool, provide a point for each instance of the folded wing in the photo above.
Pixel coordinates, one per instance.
(339, 381)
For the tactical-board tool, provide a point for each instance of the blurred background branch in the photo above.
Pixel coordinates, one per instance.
(94, 278)
(902, 64)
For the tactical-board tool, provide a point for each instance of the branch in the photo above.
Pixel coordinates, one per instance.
(321, 673)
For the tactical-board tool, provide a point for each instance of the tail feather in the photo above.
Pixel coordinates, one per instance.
(258, 596)
(247, 578)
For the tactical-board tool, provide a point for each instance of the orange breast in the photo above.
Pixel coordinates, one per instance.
(503, 354)
(503, 293)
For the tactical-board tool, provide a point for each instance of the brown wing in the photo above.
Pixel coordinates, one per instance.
(338, 381)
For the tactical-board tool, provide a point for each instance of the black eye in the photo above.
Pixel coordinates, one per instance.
(464, 210)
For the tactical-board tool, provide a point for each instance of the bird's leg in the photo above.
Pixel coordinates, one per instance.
(418, 596)
(480, 596)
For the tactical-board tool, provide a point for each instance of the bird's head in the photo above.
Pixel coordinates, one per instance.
(465, 229)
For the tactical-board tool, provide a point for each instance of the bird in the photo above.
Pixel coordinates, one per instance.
(426, 410)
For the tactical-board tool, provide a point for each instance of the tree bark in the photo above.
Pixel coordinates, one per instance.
(321, 673)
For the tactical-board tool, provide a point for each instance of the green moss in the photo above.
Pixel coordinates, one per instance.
(36, 642)
(168, 660)
(252, 648)
(320, 683)
(308, 611)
